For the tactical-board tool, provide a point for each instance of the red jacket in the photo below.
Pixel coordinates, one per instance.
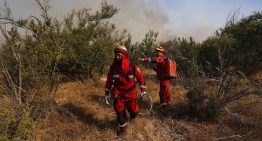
(124, 82)
(159, 65)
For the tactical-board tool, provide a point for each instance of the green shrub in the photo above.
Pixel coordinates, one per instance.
(24, 127)
(213, 108)
(7, 118)
(15, 124)
(201, 105)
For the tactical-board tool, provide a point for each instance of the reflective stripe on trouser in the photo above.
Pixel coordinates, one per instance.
(164, 92)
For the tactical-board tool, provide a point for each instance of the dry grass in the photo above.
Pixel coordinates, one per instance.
(82, 115)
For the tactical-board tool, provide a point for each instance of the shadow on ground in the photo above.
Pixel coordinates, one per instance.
(84, 116)
(178, 111)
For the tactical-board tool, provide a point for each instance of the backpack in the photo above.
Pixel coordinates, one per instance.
(170, 69)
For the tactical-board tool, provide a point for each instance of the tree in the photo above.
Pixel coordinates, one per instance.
(49, 48)
(247, 33)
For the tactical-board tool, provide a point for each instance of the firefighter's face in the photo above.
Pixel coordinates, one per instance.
(159, 53)
(118, 56)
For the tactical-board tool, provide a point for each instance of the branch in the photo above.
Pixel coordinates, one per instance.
(198, 68)
(223, 138)
(44, 6)
(233, 136)
(8, 78)
(5, 21)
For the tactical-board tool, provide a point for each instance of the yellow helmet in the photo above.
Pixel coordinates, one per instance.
(162, 49)
(121, 48)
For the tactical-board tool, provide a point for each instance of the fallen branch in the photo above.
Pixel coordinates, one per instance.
(223, 138)
(228, 137)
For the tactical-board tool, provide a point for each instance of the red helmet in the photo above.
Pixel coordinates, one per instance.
(162, 49)
(120, 49)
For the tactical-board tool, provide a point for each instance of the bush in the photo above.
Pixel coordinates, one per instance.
(210, 97)
(198, 103)
(245, 50)
(24, 127)
(79, 46)
(14, 123)
(7, 118)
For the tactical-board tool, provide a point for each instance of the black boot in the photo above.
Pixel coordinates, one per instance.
(121, 131)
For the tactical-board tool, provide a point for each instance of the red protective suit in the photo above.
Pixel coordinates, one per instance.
(122, 76)
(164, 92)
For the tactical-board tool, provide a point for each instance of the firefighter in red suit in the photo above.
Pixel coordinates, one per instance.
(158, 62)
(122, 77)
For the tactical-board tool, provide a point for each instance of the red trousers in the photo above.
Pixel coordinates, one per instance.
(164, 92)
(120, 104)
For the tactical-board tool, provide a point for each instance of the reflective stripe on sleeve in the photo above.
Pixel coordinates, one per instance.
(116, 76)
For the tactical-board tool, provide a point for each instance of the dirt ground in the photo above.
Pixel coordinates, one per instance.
(81, 114)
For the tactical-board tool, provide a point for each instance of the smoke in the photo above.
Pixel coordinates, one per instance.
(136, 16)
(198, 27)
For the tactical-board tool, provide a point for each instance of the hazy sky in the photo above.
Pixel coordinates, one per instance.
(171, 18)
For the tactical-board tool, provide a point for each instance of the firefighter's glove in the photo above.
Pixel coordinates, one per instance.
(107, 99)
(143, 95)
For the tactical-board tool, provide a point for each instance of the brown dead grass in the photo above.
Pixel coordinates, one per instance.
(82, 115)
